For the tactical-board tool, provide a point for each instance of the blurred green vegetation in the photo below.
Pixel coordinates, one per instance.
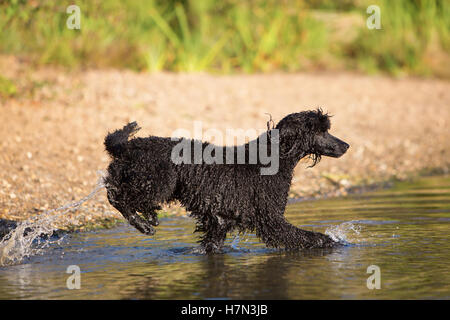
(231, 35)
(7, 88)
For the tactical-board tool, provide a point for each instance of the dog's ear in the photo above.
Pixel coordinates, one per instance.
(289, 139)
(319, 123)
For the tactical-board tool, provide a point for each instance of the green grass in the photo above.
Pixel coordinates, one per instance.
(7, 88)
(231, 35)
(414, 39)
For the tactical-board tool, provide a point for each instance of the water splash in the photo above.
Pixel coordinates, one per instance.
(27, 239)
(238, 238)
(344, 233)
(234, 243)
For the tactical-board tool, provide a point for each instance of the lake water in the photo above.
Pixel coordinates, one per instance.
(403, 231)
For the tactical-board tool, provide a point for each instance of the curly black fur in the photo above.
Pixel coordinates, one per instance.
(221, 197)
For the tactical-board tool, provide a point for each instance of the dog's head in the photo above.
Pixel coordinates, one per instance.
(306, 133)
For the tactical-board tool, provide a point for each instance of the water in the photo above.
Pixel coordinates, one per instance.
(31, 236)
(404, 231)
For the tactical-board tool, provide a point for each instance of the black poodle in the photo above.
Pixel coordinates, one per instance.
(224, 195)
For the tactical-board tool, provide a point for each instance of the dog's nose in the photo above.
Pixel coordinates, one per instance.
(346, 146)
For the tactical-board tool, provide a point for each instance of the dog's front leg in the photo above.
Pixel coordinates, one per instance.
(214, 234)
(278, 232)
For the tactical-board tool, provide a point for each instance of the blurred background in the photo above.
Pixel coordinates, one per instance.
(225, 63)
(232, 36)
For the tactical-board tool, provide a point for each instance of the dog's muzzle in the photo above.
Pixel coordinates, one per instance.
(331, 146)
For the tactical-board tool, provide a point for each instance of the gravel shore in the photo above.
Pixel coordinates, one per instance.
(51, 146)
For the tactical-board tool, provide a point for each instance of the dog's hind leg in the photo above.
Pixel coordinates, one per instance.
(150, 215)
(131, 215)
(137, 221)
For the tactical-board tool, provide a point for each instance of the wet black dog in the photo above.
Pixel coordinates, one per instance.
(221, 197)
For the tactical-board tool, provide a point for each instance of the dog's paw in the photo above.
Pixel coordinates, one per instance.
(146, 229)
(325, 241)
(142, 225)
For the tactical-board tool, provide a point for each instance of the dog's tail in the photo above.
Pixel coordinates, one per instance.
(115, 142)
